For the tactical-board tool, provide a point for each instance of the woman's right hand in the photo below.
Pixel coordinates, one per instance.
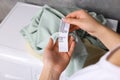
(81, 19)
(87, 23)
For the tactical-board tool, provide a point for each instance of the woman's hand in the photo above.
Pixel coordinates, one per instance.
(55, 60)
(84, 21)
(80, 19)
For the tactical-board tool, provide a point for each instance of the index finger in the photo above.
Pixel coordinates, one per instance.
(71, 45)
(75, 14)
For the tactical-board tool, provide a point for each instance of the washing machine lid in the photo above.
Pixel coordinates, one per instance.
(10, 27)
(12, 43)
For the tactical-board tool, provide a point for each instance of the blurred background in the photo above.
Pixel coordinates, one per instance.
(110, 8)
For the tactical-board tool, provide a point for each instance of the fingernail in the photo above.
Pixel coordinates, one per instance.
(63, 19)
(72, 38)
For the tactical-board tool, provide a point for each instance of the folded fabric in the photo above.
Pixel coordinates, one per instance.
(93, 57)
(43, 25)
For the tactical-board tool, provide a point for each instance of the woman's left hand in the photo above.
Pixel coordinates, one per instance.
(56, 60)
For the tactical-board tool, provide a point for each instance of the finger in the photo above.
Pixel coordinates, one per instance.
(73, 21)
(50, 44)
(75, 14)
(56, 46)
(70, 39)
(72, 46)
(56, 43)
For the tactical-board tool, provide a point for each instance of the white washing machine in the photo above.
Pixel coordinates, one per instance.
(15, 61)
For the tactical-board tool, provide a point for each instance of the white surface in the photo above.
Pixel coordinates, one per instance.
(10, 28)
(15, 62)
(14, 71)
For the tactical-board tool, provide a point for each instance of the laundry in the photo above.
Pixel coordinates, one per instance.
(92, 57)
(42, 26)
(46, 24)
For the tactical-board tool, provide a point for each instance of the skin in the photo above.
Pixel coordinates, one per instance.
(55, 62)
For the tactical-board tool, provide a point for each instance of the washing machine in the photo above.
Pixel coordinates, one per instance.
(16, 63)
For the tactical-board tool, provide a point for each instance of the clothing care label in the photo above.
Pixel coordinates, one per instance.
(63, 36)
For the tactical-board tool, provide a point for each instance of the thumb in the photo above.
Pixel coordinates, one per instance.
(72, 21)
(50, 44)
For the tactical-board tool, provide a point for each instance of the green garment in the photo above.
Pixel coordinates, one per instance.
(43, 25)
(46, 24)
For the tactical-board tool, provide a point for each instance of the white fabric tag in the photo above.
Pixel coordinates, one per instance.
(63, 36)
